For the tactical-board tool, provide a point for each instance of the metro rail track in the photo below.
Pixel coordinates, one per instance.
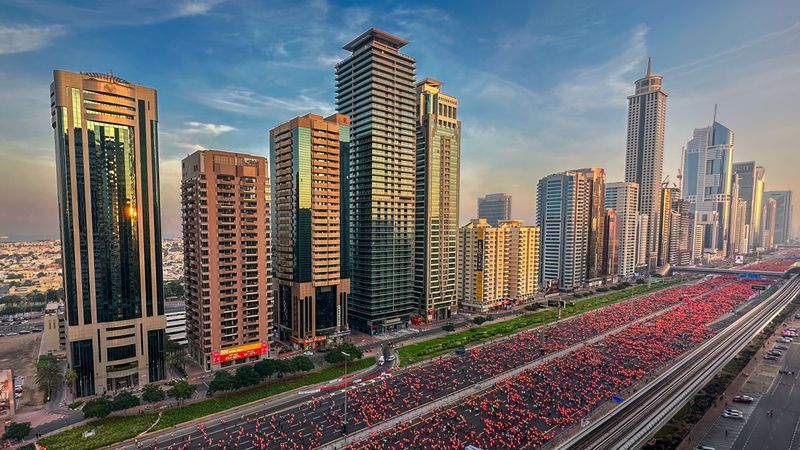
(635, 420)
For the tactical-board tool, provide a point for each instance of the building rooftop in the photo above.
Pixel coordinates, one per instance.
(373, 34)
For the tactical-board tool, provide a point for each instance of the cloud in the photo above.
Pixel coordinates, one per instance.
(26, 38)
(195, 7)
(607, 84)
(207, 128)
(250, 103)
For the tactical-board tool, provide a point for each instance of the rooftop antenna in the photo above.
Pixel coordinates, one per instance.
(715, 114)
(649, 68)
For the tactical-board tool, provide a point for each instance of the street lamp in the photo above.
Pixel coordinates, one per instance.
(346, 355)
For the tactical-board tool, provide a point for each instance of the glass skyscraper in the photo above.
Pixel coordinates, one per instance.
(375, 88)
(438, 163)
(495, 208)
(106, 139)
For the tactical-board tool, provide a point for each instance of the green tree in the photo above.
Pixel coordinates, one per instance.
(448, 327)
(283, 366)
(265, 368)
(336, 355)
(175, 355)
(246, 376)
(152, 393)
(302, 363)
(181, 390)
(48, 375)
(17, 431)
(223, 381)
(70, 376)
(124, 400)
(99, 407)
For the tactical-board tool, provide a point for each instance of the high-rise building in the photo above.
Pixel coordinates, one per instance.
(596, 178)
(522, 259)
(562, 213)
(106, 139)
(745, 176)
(642, 226)
(680, 232)
(436, 227)
(622, 198)
(758, 208)
(611, 247)
(305, 163)
(496, 264)
(225, 205)
(644, 157)
(783, 215)
(375, 88)
(707, 182)
(739, 229)
(770, 215)
(668, 195)
(495, 208)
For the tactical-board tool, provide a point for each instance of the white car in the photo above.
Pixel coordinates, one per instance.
(308, 353)
(785, 340)
(728, 415)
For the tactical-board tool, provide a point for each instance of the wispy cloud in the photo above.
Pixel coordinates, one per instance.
(207, 128)
(27, 38)
(247, 102)
(762, 39)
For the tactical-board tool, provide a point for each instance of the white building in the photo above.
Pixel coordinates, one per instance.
(622, 198)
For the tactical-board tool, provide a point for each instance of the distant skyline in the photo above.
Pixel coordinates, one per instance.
(542, 86)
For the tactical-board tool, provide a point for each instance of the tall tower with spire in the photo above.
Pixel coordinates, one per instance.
(644, 158)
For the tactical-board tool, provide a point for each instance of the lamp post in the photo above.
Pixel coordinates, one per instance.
(345, 398)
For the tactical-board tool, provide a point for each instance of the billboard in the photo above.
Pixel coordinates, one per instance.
(240, 352)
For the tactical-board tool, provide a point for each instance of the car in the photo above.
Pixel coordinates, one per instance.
(781, 347)
(704, 447)
(771, 357)
(461, 351)
(24, 331)
(390, 358)
(13, 333)
(733, 411)
(785, 340)
(728, 415)
(308, 353)
(743, 399)
(775, 352)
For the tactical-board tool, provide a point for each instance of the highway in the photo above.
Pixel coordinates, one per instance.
(639, 417)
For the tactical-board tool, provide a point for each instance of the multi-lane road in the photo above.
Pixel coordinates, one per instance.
(639, 417)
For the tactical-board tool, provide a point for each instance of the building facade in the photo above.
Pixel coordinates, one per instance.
(707, 182)
(375, 88)
(225, 205)
(175, 311)
(495, 208)
(563, 215)
(783, 215)
(744, 175)
(436, 219)
(622, 197)
(680, 253)
(305, 163)
(596, 179)
(497, 265)
(106, 139)
(770, 215)
(644, 157)
(611, 247)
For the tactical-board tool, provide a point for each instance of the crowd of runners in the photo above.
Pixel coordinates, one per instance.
(529, 407)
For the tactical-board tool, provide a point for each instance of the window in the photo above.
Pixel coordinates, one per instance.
(123, 352)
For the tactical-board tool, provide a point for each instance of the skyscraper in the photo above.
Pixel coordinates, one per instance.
(745, 173)
(667, 195)
(522, 259)
(225, 205)
(436, 226)
(758, 208)
(562, 214)
(622, 198)
(644, 158)
(680, 253)
(375, 88)
(611, 247)
(106, 139)
(596, 178)
(642, 227)
(495, 208)
(306, 185)
(783, 214)
(707, 182)
(770, 215)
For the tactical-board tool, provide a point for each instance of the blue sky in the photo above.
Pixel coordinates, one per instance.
(542, 85)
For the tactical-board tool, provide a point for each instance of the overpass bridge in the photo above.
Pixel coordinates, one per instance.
(724, 271)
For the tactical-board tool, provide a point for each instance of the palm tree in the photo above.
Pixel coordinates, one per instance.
(48, 375)
(70, 376)
(175, 355)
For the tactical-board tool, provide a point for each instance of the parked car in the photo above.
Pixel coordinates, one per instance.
(776, 352)
(728, 415)
(743, 399)
(770, 357)
(704, 447)
(781, 347)
(785, 340)
(308, 353)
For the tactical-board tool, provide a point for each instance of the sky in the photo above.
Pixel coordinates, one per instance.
(542, 85)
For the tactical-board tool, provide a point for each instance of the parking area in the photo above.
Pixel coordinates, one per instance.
(21, 327)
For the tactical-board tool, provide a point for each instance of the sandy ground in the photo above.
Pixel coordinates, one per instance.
(19, 354)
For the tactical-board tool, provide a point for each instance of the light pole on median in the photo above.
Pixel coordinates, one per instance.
(345, 397)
